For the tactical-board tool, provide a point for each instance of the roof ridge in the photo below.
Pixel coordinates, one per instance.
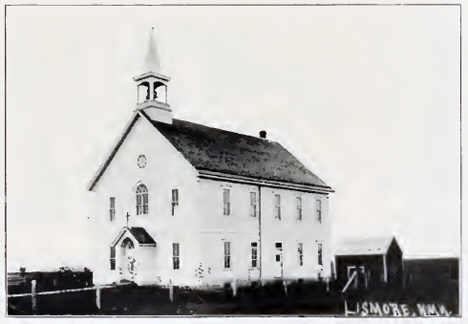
(224, 130)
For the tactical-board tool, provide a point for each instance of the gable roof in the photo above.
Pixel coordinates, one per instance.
(365, 246)
(212, 149)
(119, 143)
(140, 235)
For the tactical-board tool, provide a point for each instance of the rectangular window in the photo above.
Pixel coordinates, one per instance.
(175, 256)
(320, 261)
(145, 203)
(142, 203)
(227, 255)
(301, 254)
(253, 204)
(112, 209)
(139, 208)
(175, 200)
(278, 206)
(226, 202)
(299, 208)
(319, 210)
(112, 258)
(254, 254)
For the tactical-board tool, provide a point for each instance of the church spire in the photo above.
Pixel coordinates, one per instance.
(152, 86)
(152, 61)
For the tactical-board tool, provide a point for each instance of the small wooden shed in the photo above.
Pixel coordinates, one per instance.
(369, 262)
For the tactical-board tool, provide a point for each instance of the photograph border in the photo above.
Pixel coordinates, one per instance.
(460, 257)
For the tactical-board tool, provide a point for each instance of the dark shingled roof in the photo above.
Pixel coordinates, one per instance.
(141, 235)
(213, 149)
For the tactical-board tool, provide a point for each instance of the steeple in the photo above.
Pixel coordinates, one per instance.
(152, 62)
(152, 86)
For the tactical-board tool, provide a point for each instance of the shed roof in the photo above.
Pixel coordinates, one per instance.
(365, 246)
(141, 235)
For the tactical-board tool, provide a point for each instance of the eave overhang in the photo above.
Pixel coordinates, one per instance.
(219, 176)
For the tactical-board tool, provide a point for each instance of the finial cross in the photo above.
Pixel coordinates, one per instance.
(127, 218)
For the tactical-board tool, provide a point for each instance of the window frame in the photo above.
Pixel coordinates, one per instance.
(320, 253)
(299, 208)
(319, 209)
(278, 206)
(175, 200)
(254, 256)
(226, 201)
(227, 255)
(175, 256)
(112, 208)
(142, 199)
(112, 258)
(253, 204)
(300, 249)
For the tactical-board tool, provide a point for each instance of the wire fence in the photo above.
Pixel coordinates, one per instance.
(101, 300)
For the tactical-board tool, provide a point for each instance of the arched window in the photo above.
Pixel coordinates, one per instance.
(141, 200)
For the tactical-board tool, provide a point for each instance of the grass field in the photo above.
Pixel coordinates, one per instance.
(427, 284)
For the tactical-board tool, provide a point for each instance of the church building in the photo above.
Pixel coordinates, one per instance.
(180, 203)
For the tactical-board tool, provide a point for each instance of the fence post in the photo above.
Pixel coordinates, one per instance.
(98, 297)
(234, 288)
(33, 295)
(171, 291)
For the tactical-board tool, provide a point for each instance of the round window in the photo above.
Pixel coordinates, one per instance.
(141, 161)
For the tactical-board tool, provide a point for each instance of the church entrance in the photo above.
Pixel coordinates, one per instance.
(128, 266)
(132, 253)
(278, 266)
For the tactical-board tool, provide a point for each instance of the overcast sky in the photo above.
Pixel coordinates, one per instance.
(366, 96)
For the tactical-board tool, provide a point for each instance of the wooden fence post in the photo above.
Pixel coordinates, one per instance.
(33, 295)
(234, 288)
(171, 291)
(98, 297)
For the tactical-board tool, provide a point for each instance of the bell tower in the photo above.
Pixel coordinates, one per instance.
(152, 87)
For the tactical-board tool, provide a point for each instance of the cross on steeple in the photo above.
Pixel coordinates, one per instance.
(127, 218)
